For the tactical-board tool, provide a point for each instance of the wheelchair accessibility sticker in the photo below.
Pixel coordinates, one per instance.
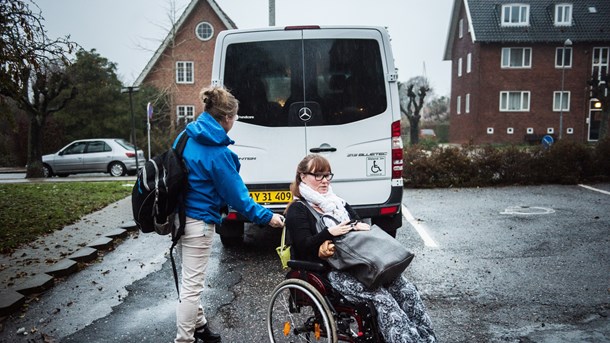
(375, 166)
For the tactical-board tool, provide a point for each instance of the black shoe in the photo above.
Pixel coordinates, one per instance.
(203, 333)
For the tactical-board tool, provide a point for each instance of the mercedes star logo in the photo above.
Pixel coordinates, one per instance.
(305, 113)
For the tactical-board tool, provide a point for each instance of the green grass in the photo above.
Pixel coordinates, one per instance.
(28, 211)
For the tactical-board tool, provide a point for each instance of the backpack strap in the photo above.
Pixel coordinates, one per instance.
(179, 149)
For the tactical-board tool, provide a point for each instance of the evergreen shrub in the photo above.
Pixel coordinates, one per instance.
(565, 162)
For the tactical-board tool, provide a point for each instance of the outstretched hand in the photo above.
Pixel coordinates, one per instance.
(277, 221)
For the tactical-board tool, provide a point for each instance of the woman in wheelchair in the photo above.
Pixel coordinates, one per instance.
(401, 314)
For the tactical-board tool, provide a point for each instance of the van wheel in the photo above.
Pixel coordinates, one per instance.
(388, 224)
(229, 242)
(231, 233)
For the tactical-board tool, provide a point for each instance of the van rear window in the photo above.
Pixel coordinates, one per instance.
(338, 80)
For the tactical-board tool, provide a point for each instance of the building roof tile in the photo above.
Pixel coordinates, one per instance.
(485, 16)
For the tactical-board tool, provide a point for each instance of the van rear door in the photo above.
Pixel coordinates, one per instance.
(344, 75)
(260, 69)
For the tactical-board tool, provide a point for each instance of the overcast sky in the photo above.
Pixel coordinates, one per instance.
(127, 32)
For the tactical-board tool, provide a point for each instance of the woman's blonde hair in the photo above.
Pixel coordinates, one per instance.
(219, 102)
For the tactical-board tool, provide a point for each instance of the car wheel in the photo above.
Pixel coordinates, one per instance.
(46, 170)
(116, 169)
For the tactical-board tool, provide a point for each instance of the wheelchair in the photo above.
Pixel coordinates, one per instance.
(305, 308)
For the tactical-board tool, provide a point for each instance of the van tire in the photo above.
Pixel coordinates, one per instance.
(231, 233)
(389, 224)
(230, 241)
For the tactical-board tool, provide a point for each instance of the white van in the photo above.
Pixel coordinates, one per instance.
(317, 89)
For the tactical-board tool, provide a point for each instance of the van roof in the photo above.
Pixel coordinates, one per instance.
(308, 27)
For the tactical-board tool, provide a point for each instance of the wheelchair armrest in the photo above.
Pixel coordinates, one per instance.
(306, 265)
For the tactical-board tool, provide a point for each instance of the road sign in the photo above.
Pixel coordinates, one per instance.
(547, 141)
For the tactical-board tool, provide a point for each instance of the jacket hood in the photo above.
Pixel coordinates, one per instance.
(207, 131)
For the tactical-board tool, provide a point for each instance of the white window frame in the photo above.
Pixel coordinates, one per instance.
(461, 27)
(208, 31)
(185, 72)
(185, 114)
(522, 18)
(459, 104)
(564, 99)
(469, 62)
(467, 103)
(524, 101)
(600, 59)
(563, 14)
(507, 58)
(563, 60)
(459, 71)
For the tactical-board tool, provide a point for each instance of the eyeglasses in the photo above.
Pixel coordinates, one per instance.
(319, 177)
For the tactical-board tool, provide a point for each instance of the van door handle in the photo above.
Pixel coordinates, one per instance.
(324, 149)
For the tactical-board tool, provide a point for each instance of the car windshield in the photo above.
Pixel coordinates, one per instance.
(125, 144)
(340, 80)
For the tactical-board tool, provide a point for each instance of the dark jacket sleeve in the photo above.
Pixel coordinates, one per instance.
(301, 226)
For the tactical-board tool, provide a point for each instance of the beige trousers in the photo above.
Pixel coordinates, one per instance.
(195, 247)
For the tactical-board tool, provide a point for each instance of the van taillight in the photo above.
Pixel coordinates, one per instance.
(397, 154)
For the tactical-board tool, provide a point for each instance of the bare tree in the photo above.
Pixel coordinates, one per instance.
(437, 110)
(414, 104)
(33, 72)
(164, 99)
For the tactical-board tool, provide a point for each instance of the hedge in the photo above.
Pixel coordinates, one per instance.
(565, 162)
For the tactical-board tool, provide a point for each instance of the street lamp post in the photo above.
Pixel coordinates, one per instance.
(567, 43)
(271, 12)
(131, 90)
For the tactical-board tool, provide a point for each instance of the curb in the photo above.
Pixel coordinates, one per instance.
(12, 299)
(10, 170)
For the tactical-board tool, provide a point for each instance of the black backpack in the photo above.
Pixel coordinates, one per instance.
(158, 196)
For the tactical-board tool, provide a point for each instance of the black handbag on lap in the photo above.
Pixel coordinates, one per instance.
(373, 257)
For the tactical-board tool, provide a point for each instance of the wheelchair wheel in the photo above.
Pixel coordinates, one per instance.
(298, 313)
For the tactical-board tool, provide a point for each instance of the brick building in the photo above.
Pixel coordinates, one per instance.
(182, 64)
(520, 69)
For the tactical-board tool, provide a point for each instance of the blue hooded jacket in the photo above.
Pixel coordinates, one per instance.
(213, 175)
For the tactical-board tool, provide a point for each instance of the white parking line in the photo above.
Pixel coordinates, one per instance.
(420, 228)
(594, 189)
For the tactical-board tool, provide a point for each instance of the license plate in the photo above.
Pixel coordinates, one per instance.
(271, 197)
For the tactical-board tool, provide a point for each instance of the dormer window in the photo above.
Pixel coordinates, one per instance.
(563, 15)
(515, 15)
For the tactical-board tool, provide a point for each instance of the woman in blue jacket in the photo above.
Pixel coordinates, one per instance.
(214, 182)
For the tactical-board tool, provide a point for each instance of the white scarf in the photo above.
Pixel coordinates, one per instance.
(329, 203)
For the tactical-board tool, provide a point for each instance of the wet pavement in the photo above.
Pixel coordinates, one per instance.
(511, 264)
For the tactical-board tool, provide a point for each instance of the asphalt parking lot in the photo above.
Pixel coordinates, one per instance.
(511, 264)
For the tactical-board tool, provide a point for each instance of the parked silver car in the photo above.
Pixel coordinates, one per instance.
(115, 156)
